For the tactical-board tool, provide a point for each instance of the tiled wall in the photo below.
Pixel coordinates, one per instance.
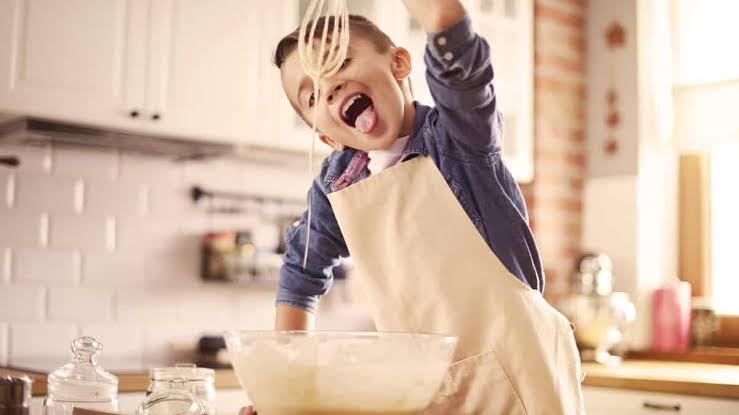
(107, 244)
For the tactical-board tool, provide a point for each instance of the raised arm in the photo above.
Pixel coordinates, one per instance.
(435, 15)
(459, 74)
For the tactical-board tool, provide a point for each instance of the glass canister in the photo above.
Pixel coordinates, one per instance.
(81, 383)
(197, 380)
(177, 400)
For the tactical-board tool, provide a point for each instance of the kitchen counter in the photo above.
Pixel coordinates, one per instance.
(127, 382)
(696, 379)
(684, 378)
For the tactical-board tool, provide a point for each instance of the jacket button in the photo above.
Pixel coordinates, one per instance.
(448, 56)
(441, 41)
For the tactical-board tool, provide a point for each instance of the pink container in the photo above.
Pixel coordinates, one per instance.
(671, 317)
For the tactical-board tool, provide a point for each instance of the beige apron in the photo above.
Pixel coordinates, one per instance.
(426, 268)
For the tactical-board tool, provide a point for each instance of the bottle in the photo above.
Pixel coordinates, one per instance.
(81, 383)
(671, 317)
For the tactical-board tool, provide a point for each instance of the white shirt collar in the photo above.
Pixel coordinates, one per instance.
(381, 159)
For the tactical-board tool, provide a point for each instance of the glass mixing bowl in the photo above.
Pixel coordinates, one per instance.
(332, 373)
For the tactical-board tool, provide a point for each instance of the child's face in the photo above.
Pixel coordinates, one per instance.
(362, 106)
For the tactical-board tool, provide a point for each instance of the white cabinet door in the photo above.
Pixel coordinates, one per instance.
(201, 71)
(72, 59)
(609, 401)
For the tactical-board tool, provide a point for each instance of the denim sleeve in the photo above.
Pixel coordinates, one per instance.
(460, 77)
(301, 287)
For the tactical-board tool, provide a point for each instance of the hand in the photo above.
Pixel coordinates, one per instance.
(247, 410)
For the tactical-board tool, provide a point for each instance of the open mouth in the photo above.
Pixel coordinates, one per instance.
(358, 112)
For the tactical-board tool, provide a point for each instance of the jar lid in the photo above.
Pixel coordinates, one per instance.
(175, 401)
(82, 379)
(182, 371)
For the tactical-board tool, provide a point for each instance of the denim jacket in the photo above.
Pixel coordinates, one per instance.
(462, 135)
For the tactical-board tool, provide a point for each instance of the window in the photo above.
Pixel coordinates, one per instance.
(724, 219)
(706, 95)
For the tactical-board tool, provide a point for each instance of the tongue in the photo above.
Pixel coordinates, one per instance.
(366, 121)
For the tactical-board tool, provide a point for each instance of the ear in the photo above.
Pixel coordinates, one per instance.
(331, 143)
(401, 63)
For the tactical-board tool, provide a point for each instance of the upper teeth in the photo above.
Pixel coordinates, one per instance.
(350, 102)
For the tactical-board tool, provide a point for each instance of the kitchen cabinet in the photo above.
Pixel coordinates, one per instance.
(172, 67)
(607, 401)
(203, 70)
(73, 59)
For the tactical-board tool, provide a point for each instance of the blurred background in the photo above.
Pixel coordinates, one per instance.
(150, 163)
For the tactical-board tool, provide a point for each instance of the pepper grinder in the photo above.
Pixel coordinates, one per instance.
(15, 395)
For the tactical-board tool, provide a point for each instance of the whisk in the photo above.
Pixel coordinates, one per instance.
(321, 61)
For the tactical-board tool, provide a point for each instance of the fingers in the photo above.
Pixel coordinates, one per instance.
(247, 410)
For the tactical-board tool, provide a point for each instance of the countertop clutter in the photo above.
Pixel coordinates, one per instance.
(696, 379)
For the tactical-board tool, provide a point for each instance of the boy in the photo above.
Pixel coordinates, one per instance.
(400, 192)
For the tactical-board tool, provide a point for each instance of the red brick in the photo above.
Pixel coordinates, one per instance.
(560, 62)
(573, 20)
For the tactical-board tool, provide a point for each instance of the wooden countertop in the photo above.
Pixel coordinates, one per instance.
(127, 382)
(685, 378)
(697, 379)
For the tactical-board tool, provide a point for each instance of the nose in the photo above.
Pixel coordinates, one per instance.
(334, 91)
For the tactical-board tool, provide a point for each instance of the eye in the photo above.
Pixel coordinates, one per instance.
(311, 100)
(346, 62)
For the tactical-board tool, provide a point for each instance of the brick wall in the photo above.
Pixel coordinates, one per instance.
(555, 196)
(107, 244)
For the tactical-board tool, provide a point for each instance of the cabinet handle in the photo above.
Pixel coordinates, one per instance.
(134, 113)
(661, 407)
(155, 116)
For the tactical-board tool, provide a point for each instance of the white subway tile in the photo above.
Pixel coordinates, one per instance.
(20, 229)
(174, 270)
(114, 270)
(6, 264)
(34, 159)
(120, 341)
(255, 309)
(7, 189)
(4, 344)
(80, 163)
(169, 342)
(115, 197)
(40, 343)
(54, 267)
(215, 174)
(168, 199)
(146, 234)
(137, 305)
(79, 304)
(21, 303)
(88, 233)
(147, 169)
(276, 181)
(212, 307)
(45, 193)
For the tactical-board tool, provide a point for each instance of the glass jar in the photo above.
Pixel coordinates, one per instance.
(197, 380)
(177, 400)
(81, 383)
